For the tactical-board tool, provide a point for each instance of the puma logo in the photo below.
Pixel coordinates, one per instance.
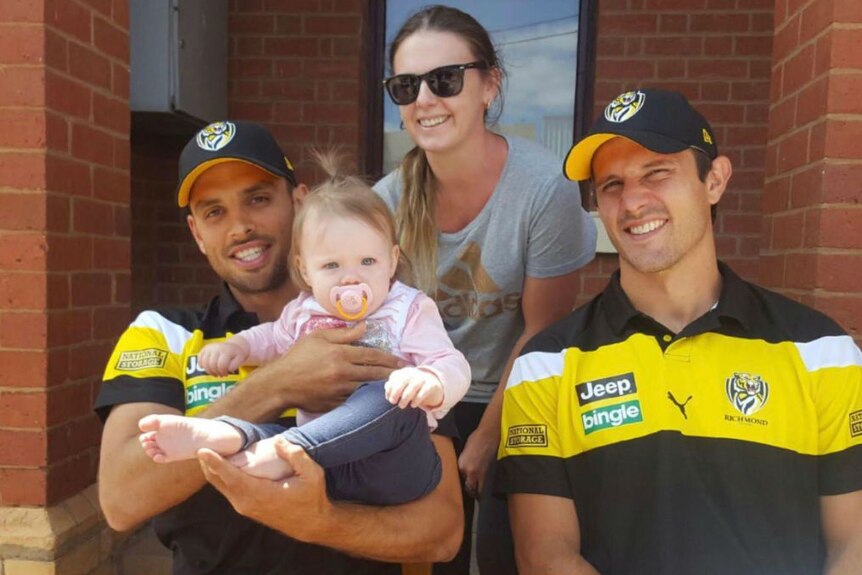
(681, 406)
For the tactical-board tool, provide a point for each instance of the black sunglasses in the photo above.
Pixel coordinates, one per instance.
(445, 82)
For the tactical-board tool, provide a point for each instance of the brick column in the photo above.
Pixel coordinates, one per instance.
(812, 249)
(64, 269)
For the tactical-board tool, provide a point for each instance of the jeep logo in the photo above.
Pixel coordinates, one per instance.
(193, 369)
(614, 386)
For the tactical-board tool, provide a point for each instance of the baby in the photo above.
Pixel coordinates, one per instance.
(376, 446)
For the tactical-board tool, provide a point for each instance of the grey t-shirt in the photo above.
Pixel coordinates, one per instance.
(532, 225)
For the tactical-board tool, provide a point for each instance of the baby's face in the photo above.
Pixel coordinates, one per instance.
(338, 252)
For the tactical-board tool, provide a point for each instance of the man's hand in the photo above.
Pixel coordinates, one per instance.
(427, 529)
(324, 369)
(317, 374)
(479, 451)
(300, 499)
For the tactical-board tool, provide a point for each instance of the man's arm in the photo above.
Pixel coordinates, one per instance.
(547, 535)
(132, 488)
(841, 516)
(428, 529)
(544, 301)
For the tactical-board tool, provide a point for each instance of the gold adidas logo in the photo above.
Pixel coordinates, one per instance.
(467, 290)
(472, 276)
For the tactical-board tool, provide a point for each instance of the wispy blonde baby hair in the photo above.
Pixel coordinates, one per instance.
(343, 195)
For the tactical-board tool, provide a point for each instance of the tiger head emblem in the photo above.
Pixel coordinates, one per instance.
(216, 136)
(625, 106)
(748, 393)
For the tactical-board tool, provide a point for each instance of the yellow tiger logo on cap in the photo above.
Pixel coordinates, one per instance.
(216, 136)
(625, 106)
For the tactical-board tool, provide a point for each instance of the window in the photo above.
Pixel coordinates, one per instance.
(544, 47)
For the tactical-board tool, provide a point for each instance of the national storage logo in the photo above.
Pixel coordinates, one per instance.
(856, 423)
(527, 436)
(615, 415)
(141, 359)
(201, 394)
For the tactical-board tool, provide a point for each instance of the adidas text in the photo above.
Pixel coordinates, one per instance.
(469, 305)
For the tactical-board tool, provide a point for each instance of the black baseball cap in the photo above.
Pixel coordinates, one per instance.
(660, 120)
(230, 141)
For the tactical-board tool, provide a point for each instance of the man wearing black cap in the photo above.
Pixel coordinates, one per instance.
(241, 192)
(684, 421)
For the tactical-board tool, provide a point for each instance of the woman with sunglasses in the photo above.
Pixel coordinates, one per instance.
(493, 229)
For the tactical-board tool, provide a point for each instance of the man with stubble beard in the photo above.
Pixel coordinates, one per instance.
(241, 194)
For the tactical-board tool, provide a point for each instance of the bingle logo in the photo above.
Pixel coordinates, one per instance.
(614, 386)
(616, 415)
(206, 393)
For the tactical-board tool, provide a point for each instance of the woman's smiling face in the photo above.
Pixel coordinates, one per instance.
(443, 124)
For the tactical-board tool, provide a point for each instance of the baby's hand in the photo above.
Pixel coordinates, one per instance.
(414, 387)
(222, 358)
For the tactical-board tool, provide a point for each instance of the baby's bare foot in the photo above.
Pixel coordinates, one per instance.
(262, 460)
(168, 438)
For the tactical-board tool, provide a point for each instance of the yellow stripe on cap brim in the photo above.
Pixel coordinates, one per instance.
(189, 181)
(579, 160)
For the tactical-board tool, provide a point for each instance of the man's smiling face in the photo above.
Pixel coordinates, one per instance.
(654, 206)
(241, 218)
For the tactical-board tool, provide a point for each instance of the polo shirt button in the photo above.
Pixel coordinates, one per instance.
(667, 338)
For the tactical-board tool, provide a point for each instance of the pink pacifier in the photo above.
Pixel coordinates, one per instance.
(351, 301)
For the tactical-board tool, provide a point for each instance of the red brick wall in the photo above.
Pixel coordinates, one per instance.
(812, 224)
(64, 281)
(168, 268)
(717, 53)
(23, 260)
(295, 66)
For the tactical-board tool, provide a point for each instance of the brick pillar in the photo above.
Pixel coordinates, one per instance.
(64, 270)
(812, 249)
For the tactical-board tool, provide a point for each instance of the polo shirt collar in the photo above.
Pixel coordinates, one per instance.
(229, 312)
(736, 302)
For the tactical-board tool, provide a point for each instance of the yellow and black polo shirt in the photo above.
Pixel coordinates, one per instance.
(155, 361)
(700, 452)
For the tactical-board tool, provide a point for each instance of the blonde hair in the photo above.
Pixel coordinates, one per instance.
(345, 196)
(416, 213)
(416, 217)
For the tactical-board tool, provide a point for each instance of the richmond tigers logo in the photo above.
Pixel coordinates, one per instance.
(625, 106)
(216, 136)
(747, 393)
